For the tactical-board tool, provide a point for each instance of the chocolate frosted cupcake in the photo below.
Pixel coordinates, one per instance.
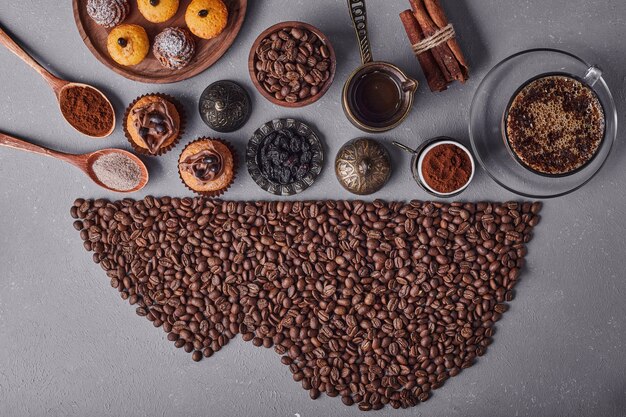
(154, 123)
(108, 13)
(174, 47)
(207, 166)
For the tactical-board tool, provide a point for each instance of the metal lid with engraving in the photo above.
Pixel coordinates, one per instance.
(362, 166)
(225, 106)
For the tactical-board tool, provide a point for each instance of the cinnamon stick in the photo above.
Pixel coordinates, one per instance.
(433, 74)
(443, 55)
(441, 20)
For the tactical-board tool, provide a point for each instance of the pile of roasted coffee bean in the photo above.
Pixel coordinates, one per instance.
(378, 303)
(285, 156)
(292, 64)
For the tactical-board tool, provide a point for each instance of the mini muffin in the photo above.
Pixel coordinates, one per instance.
(153, 124)
(158, 11)
(108, 13)
(128, 44)
(206, 18)
(207, 166)
(174, 47)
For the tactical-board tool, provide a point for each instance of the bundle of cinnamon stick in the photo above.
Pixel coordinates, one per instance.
(427, 27)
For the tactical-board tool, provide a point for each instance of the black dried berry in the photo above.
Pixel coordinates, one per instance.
(295, 145)
(122, 42)
(154, 2)
(143, 132)
(203, 13)
(285, 156)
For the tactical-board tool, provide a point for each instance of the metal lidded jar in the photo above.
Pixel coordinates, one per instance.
(225, 106)
(363, 166)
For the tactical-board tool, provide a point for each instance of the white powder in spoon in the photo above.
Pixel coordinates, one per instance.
(117, 171)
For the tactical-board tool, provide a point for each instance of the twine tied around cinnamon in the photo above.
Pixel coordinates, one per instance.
(441, 36)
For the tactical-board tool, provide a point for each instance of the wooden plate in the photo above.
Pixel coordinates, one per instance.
(150, 70)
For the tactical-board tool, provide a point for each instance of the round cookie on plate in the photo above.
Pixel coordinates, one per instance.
(174, 47)
(206, 18)
(108, 13)
(157, 11)
(128, 44)
(154, 123)
(207, 166)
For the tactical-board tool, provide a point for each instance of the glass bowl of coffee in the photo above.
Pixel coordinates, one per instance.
(542, 123)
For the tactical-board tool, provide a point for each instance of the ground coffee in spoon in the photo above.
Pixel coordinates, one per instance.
(86, 110)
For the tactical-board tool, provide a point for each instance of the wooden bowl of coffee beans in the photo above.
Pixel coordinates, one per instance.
(292, 64)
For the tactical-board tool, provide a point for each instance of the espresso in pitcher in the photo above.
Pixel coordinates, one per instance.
(377, 97)
(555, 124)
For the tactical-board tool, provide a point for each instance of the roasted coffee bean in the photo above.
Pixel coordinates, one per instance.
(290, 55)
(376, 303)
(304, 92)
(297, 33)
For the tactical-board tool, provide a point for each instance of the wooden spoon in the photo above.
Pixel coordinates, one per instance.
(83, 162)
(58, 85)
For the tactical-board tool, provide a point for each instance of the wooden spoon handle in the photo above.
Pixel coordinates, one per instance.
(54, 82)
(13, 142)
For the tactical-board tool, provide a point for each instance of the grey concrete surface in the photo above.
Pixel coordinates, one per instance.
(69, 346)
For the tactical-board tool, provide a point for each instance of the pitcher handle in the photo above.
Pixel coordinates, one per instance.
(359, 21)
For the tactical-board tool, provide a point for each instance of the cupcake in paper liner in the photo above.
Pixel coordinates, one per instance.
(208, 166)
(154, 123)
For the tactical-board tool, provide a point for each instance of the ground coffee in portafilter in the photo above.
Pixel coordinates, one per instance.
(378, 303)
(446, 168)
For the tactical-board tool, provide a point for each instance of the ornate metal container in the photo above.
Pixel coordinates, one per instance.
(252, 160)
(362, 166)
(225, 106)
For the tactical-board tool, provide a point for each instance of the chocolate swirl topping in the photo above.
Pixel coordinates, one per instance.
(154, 125)
(205, 165)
